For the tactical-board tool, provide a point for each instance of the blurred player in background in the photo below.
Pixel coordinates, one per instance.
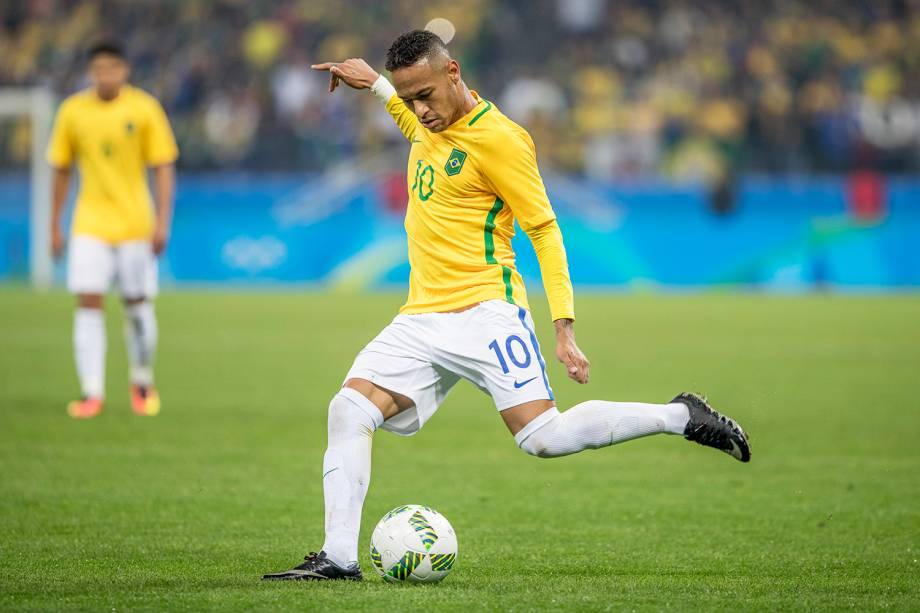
(473, 173)
(114, 132)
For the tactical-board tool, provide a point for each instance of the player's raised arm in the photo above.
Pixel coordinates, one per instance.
(357, 74)
(354, 72)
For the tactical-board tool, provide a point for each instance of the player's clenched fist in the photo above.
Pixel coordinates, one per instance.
(355, 72)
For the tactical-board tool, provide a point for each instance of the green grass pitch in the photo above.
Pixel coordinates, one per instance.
(185, 511)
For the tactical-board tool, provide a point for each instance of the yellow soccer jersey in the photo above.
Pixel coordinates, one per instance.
(467, 185)
(113, 143)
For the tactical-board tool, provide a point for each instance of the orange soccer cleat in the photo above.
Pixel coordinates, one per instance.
(85, 408)
(145, 400)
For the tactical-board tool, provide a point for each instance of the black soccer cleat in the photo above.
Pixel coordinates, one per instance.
(707, 427)
(317, 567)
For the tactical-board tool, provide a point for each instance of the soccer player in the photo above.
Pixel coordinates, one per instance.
(472, 173)
(114, 132)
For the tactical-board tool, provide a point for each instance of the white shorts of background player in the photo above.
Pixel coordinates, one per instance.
(93, 265)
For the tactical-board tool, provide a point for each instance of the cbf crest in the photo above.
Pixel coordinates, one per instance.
(455, 162)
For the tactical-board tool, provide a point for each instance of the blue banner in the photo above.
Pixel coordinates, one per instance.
(783, 234)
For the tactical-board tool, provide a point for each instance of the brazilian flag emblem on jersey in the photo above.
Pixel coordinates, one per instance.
(455, 162)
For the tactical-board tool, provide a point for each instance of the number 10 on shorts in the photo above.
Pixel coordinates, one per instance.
(514, 347)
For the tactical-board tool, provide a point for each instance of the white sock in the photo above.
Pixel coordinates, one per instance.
(597, 423)
(347, 471)
(89, 350)
(141, 337)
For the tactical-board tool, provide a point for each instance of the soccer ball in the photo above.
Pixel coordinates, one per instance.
(413, 543)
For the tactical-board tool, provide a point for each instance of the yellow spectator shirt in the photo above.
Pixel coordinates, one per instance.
(113, 143)
(467, 185)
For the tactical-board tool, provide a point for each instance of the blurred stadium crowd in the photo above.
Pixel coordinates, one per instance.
(685, 89)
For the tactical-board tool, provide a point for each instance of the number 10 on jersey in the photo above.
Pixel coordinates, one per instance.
(424, 181)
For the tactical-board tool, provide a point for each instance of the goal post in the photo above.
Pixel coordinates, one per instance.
(37, 103)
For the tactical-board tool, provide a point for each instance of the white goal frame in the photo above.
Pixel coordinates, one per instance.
(37, 103)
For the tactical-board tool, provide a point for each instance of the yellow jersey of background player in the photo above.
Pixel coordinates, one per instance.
(471, 173)
(114, 132)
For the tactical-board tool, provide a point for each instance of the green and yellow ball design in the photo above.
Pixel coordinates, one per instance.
(413, 543)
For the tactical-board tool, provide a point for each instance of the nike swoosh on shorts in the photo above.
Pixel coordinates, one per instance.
(522, 383)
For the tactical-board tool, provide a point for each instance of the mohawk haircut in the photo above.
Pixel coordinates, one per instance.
(105, 47)
(412, 47)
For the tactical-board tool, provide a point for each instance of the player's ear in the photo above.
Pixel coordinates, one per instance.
(453, 71)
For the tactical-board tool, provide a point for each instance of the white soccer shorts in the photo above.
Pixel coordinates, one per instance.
(93, 264)
(492, 345)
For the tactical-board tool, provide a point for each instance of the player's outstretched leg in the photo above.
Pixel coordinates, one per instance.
(346, 474)
(141, 338)
(597, 423)
(89, 354)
